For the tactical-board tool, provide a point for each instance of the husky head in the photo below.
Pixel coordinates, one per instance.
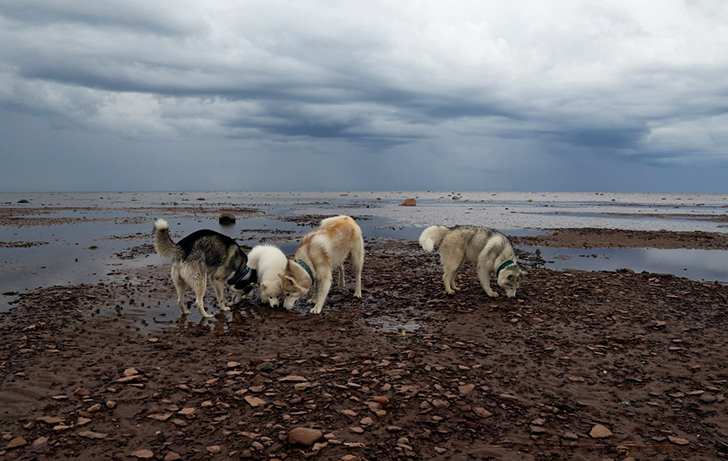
(270, 293)
(510, 279)
(295, 283)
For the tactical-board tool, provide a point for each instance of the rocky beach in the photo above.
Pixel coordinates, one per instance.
(584, 365)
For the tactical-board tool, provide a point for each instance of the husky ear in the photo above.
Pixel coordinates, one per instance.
(282, 277)
(292, 280)
(264, 286)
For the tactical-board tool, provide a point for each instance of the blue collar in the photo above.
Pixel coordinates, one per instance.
(306, 268)
(503, 266)
(239, 276)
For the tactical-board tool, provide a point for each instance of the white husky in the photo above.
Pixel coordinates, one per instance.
(270, 262)
(490, 249)
(322, 250)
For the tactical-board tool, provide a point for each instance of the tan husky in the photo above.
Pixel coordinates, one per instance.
(322, 250)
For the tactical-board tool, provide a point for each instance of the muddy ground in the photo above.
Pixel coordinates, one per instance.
(583, 365)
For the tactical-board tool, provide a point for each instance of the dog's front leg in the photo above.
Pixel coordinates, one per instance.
(322, 291)
(484, 276)
(219, 288)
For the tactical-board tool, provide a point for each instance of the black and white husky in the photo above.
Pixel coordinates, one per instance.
(203, 253)
(490, 249)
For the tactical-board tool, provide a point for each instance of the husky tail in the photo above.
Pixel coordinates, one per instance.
(163, 244)
(432, 236)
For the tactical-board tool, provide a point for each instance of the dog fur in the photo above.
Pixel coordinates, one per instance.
(202, 253)
(488, 248)
(270, 262)
(322, 250)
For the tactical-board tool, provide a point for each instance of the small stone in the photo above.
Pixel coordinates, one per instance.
(39, 442)
(570, 436)
(293, 379)
(81, 392)
(304, 436)
(92, 435)
(466, 389)
(254, 401)
(226, 219)
(49, 419)
(440, 404)
(17, 442)
(356, 430)
(482, 412)
(143, 454)
(366, 422)
(214, 449)
(82, 421)
(187, 412)
(93, 408)
(131, 372)
(600, 432)
(233, 364)
(351, 413)
(172, 456)
(160, 416)
(707, 398)
(678, 440)
(318, 446)
(409, 202)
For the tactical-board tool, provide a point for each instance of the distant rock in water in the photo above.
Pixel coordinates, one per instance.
(409, 202)
(22, 200)
(226, 219)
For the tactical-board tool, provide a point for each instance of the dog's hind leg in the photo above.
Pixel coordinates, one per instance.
(181, 286)
(357, 261)
(341, 275)
(322, 291)
(451, 265)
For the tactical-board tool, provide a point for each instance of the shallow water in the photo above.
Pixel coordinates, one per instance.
(88, 251)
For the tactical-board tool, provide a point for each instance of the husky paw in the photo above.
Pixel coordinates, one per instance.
(315, 310)
(311, 301)
(493, 294)
(224, 308)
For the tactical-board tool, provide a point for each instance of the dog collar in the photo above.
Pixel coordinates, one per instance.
(306, 268)
(239, 277)
(503, 266)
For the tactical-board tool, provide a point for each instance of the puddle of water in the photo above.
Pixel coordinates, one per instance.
(705, 265)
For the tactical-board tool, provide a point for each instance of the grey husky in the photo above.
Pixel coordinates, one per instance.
(490, 249)
(203, 253)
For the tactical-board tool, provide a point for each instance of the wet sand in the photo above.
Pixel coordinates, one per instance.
(583, 365)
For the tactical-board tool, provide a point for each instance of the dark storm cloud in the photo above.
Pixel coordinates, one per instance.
(517, 85)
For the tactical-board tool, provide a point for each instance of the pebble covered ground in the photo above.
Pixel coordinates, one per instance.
(582, 365)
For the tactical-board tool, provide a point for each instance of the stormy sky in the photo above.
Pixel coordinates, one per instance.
(524, 95)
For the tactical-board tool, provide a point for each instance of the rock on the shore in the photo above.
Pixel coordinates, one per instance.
(304, 436)
(600, 432)
(16, 443)
(226, 219)
(409, 202)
